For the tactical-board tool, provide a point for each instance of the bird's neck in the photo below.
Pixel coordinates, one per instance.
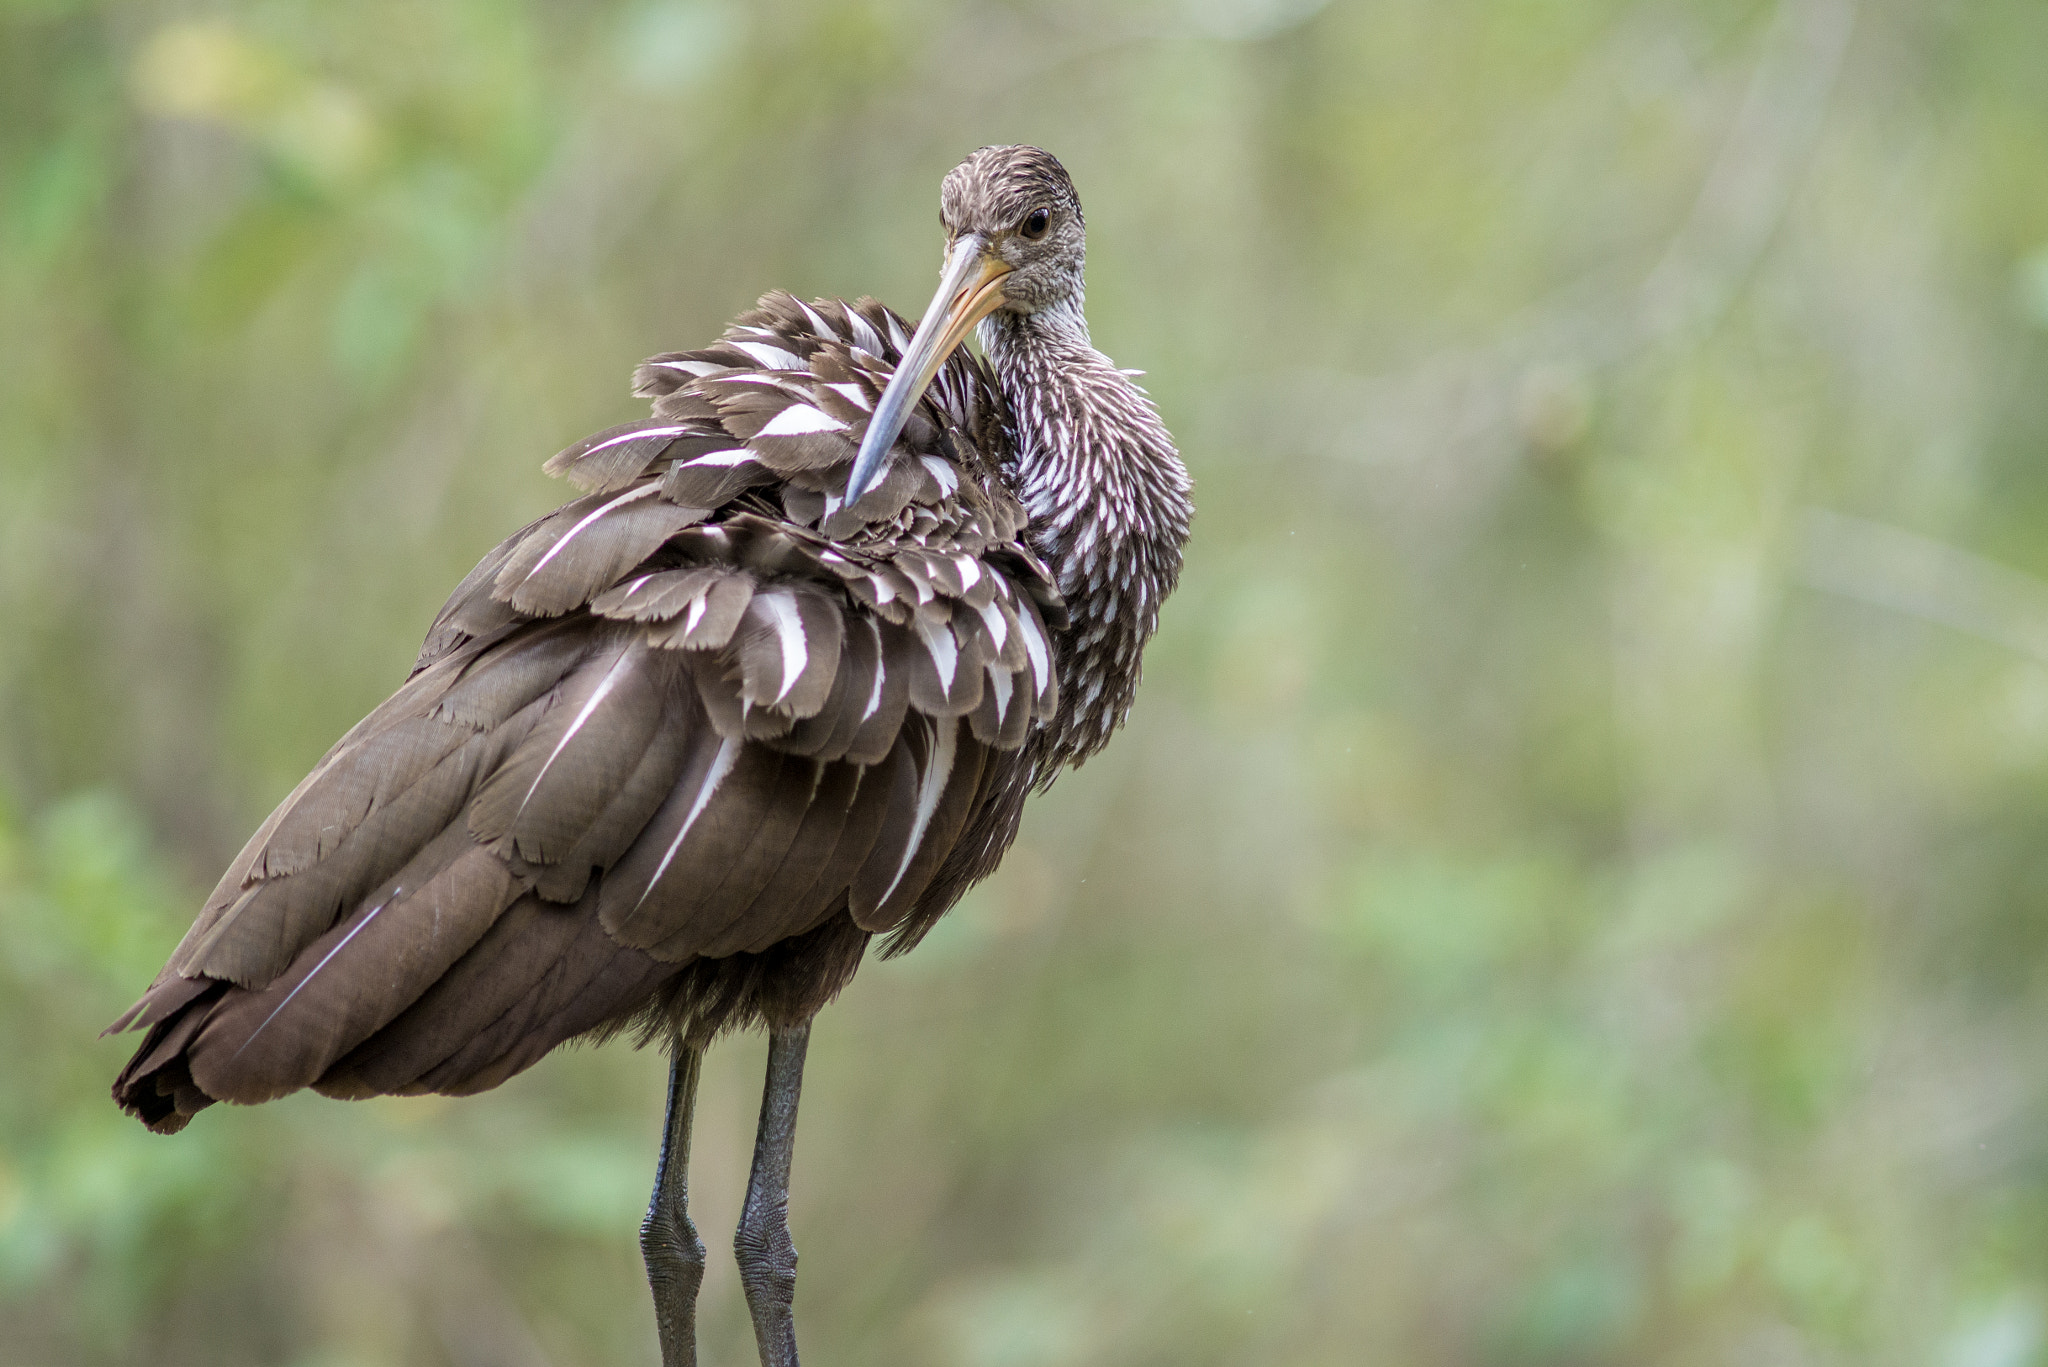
(1108, 502)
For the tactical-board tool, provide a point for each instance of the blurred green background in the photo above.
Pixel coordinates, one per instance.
(1574, 889)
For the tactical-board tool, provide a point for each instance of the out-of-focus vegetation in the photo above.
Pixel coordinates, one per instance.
(1574, 889)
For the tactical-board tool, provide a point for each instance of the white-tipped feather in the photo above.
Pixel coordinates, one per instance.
(772, 356)
(1035, 646)
(798, 419)
(864, 336)
(992, 618)
(597, 696)
(721, 765)
(929, 790)
(881, 676)
(325, 960)
(732, 456)
(817, 321)
(999, 680)
(642, 492)
(789, 635)
(944, 473)
(636, 435)
(944, 650)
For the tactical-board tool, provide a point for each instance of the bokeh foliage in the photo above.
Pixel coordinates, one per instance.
(1574, 889)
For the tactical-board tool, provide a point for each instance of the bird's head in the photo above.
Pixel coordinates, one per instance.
(1014, 242)
(1016, 209)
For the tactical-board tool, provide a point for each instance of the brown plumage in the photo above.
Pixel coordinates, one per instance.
(779, 681)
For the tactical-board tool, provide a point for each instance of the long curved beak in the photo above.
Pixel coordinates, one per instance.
(970, 289)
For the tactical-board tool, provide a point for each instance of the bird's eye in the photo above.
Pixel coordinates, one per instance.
(1035, 223)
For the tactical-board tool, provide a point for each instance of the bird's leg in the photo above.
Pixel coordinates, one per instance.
(668, 1241)
(766, 1254)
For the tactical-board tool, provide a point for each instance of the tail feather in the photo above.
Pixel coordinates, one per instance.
(356, 977)
(156, 1087)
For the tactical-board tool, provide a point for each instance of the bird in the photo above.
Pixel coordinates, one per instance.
(777, 683)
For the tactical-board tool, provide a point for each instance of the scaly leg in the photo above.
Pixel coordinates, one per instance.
(668, 1241)
(766, 1254)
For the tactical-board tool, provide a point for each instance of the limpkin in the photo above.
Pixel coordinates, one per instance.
(777, 683)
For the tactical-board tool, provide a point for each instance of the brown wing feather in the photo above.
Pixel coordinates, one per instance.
(356, 977)
(489, 1000)
(787, 904)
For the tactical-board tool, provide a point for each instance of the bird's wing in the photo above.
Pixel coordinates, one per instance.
(697, 712)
